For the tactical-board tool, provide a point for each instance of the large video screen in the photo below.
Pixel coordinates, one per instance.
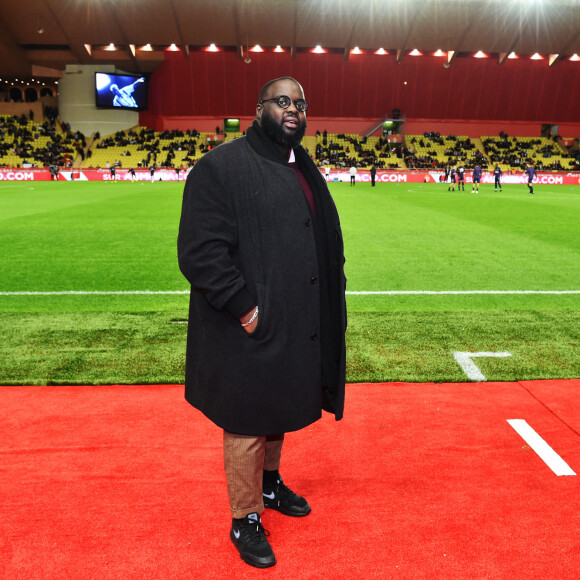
(121, 91)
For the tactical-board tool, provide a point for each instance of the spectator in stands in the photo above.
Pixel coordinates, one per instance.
(267, 318)
(497, 173)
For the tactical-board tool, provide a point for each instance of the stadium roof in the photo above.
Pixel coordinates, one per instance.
(38, 38)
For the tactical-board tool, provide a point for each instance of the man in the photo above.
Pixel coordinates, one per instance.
(261, 244)
(497, 173)
(353, 172)
(451, 186)
(530, 172)
(152, 173)
(124, 95)
(476, 179)
(460, 178)
(327, 172)
(373, 175)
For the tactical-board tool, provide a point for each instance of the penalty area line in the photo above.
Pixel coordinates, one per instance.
(348, 292)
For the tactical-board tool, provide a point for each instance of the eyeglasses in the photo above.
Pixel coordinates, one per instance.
(284, 102)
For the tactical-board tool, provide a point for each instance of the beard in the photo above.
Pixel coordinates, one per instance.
(278, 134)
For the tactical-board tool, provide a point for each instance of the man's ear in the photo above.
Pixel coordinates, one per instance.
(259, 109)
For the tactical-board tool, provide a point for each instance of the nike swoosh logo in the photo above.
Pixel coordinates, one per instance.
(237, 534)
(269, 495)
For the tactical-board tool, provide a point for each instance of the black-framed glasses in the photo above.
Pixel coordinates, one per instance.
(284, 102)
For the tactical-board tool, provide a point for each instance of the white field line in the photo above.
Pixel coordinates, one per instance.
(470, 368)
(349, 292)
(546, 453)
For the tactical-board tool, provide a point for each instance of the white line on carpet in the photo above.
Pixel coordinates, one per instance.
(546, 453)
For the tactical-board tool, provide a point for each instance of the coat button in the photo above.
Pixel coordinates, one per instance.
(308, 222)
(314, 336)
(313, 280)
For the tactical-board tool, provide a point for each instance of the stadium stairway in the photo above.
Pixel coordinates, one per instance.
(479, 146)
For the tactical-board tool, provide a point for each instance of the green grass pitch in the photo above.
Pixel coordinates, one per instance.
(104, 239)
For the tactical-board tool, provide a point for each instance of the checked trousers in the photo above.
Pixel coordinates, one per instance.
(245, 459)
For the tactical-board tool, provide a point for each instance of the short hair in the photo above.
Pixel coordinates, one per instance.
(265, 88)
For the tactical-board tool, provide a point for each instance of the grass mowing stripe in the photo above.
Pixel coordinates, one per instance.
(53, 348)
(348, 292)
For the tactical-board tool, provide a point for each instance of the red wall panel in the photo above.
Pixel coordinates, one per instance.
(221, 84)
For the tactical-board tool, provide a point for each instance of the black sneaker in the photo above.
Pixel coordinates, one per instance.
(282, 499)
(249, 537)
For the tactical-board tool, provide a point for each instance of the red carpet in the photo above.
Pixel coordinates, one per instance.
(418, 481)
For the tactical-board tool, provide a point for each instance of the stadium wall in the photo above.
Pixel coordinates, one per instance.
(76, 103)
(369, 87)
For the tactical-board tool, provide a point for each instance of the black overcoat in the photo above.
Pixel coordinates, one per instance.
(247, 236)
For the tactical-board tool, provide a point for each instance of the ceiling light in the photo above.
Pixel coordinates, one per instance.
(318, 49)
(439, 53)
(173, 47)
(279, 49)
(575, 57)
(111, 47)
(536, 56)
(381, 51)
(147, 47)
(256, 48)
(212, 48)
(356, 50)
(513, 55)
(415, 52)
(480, 54)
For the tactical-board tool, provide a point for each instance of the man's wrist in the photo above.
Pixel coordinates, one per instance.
(249, 317)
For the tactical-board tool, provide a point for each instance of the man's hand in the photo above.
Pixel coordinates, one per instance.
(246, 319)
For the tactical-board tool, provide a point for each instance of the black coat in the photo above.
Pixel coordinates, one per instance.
(247, 236)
